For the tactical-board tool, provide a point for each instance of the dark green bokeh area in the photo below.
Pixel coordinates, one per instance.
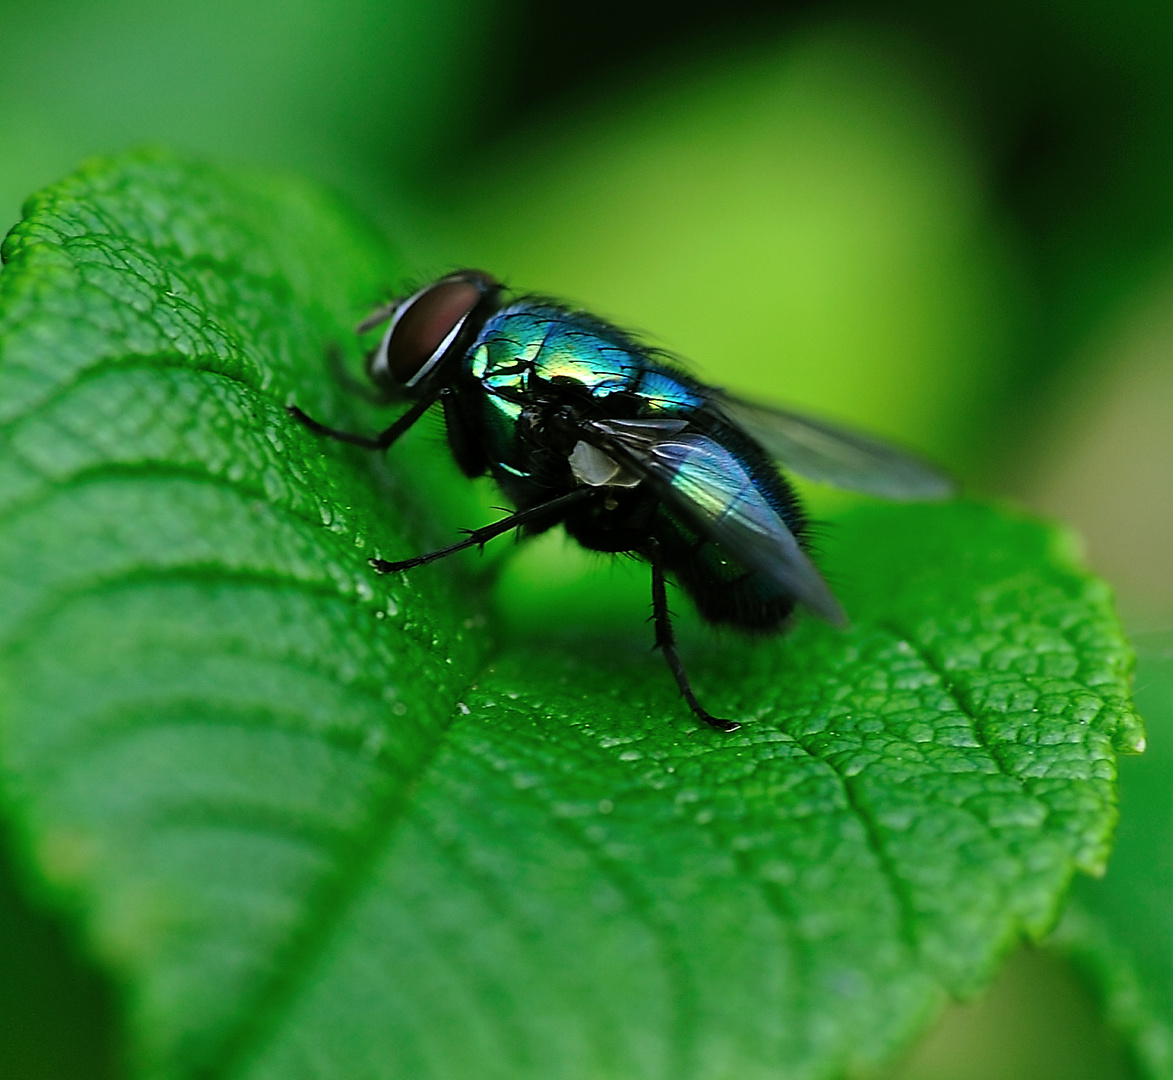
(57, 1015)
(935, 221)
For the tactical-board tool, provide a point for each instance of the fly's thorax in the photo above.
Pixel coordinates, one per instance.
(532, 351)
(524, 347)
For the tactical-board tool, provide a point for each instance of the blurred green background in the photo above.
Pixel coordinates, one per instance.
(952, 224)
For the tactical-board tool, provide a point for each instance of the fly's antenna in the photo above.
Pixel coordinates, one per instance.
(379, 316)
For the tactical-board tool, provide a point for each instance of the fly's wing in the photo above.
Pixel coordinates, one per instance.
(829, 454)
(699, 477)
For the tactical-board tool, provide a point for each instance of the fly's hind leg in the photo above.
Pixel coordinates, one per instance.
(666, 643)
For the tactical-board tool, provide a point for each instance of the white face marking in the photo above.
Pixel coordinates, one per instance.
(379, 366)
(441, 349)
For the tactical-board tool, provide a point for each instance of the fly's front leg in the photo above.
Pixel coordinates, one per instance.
(666, 643)
(480, 537)
(368, 442)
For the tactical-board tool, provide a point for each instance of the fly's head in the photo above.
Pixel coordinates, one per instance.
(430, 327)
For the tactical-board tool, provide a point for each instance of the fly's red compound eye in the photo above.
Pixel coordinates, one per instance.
(425, 325)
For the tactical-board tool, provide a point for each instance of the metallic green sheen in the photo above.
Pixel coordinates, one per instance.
(528, 343)
(525, 342)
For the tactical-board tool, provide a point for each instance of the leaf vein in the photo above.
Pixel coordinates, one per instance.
(676, 966)
(323, 913)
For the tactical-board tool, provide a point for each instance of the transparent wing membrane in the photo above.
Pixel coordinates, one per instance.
(829, 454)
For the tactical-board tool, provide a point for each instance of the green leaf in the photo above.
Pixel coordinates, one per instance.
(1120, 929)
(319, 824)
